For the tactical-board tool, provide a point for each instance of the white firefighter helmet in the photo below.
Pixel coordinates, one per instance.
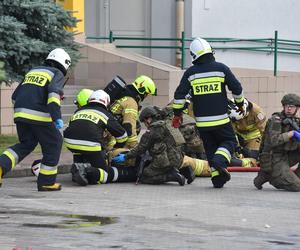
(199, 47)
(35, 167)
(100, 96)
(61, 56)
(233, 111)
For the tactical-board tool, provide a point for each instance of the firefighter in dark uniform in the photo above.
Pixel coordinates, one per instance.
(38, 118)
(84, 136)
(280, 148)
(126, 109)
(207, 80)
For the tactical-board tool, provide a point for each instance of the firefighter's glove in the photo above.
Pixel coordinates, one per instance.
(59, 123)
(119, 158)
(177, 120)
(296, 135)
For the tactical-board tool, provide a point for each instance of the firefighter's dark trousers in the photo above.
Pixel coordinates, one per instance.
(219, 144)
(30, 135)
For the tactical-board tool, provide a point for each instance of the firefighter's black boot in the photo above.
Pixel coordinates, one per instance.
(261, 178)
(174, 175)
(219, 177)
(188, 173)
(79, 174)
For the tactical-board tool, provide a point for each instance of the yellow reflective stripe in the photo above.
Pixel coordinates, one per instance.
(102, 176)
(123, 139)
(32, 117)
(201, 52)
(48, 172)
(83, 148)
(177, 106)
(132, 138)
(212, 123)
(112, 141)
(220, 152)
(251, 135)
(239, 100)
(37, 77)
(11, 157)
(214, 173)
(88, 115)
(207, 80)
(53, 99)
(199, 167)
(133, 111)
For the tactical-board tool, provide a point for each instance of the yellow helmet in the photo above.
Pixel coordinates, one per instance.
(83, 97)
(145, 85)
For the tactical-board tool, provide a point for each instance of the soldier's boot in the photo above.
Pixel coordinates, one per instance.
(219, 177)
(261, 178)
(188, 173)
(1, 173)
(174, 175)
(297, 171)
(79, 174)
(53, 187)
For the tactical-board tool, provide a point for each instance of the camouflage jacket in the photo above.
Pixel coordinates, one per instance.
(160, 144)
(275, 138)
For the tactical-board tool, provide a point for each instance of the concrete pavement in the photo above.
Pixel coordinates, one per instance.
(126, 216)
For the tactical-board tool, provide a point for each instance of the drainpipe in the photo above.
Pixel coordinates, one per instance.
(106, 17)
(179, 28)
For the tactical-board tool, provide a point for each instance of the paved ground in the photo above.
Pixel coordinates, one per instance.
(126, 216)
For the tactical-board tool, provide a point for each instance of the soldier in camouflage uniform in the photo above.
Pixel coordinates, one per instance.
(164, 146)
(280, 148)
(193, 149)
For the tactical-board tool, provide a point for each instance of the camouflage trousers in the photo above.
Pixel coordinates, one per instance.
(154, 174)
(281, 176)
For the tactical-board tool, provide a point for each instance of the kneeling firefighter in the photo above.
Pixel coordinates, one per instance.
(84, 136)
(126, 108)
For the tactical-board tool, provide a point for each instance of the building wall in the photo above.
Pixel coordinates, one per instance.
(130, 18)
(206, 18)
(134, 18)
(247, 19)
(77, 9)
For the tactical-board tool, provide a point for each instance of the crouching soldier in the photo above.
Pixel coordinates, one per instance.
(84, 137)
(280, 148)
(164, 146)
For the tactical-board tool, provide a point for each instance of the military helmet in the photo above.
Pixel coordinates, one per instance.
(148, 112)
(291, 99)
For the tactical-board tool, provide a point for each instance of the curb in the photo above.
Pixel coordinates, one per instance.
(26, 171)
